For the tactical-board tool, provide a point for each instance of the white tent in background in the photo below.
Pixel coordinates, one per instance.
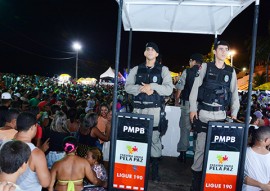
(108, 74)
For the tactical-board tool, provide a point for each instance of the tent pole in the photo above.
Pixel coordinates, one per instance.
(252, 63)
(113, 131)
(129, 50)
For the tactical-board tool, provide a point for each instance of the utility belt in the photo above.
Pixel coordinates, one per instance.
(203, 106)
(199, 126)
(143, 105)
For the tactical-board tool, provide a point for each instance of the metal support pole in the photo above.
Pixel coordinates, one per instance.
(251, 71)
(113, 131)
(129, 50)
(76, 74)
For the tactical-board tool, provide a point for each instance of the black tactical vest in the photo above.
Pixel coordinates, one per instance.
(147, 76)
(191, 73)
(216, 85)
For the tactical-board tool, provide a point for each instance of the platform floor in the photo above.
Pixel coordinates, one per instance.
(175, 176)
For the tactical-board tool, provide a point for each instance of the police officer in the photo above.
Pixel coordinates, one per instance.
(148, 83)
(183, 87)
(216, 90)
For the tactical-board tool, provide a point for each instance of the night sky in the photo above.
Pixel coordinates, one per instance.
(36, 37)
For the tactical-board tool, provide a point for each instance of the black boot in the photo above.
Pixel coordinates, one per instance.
(196, 180)
(182, 157)
(155, 175)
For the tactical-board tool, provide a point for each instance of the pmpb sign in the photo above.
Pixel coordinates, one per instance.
(132, 151)
(222, 155)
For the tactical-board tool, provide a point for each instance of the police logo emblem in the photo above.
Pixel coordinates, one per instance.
(154, 79)
(226, 78)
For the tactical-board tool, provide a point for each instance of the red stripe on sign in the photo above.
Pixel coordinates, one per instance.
(128, 176)
(220, 182)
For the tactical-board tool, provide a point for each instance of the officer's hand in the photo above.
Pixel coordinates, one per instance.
(193, 115)
(145, 87)
(176, 104)
(150, 92)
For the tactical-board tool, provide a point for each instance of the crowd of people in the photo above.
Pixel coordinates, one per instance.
(64, 126)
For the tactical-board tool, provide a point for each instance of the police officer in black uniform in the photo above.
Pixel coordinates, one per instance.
(149, 82)
(183, 87)
(216, 91)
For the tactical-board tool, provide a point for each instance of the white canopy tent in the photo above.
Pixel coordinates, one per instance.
(181, 16)
(108, 74)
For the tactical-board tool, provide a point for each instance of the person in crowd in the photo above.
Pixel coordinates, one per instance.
(253, 125)
(68, 173)
(34, 101)
(89, 133)
(8, 131)
(90, 104)
(94, 158)
(5, 104)
(37, 139)
(45, 101)
(14, 157)
(102, 121)
(257, 170)
(215, 89)
(70, 101)
(56, 134)
(183, 87)
(106, 145)
(73, 123)
(149, 82)
(37, 174)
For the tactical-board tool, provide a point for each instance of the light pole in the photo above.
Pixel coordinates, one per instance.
(76, 46)
(232, 53)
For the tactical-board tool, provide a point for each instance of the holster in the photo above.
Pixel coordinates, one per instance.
(163, 122)
(199, 126)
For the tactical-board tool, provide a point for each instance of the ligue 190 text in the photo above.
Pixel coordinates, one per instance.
(221, 186)
(124, 175)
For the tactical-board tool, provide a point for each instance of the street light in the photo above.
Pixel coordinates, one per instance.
(76, 46)
(232, 53)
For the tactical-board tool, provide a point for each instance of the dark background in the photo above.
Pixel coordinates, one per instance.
(36, 38)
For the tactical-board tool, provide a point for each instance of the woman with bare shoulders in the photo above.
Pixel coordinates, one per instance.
(69, 172)
(89, 133)
(73, 122)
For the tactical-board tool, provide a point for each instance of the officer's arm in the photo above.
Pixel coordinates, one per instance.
(194, 92)
(235, 103)
(130, 86)
(166, 88)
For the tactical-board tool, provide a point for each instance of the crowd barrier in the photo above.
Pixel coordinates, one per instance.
(171, 138)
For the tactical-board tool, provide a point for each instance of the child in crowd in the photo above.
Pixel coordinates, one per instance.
(14, 157)
(94, 157)
(257, 167)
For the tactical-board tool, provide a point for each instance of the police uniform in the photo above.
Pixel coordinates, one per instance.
(215, 89)
(160, 81)
(185, 84)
